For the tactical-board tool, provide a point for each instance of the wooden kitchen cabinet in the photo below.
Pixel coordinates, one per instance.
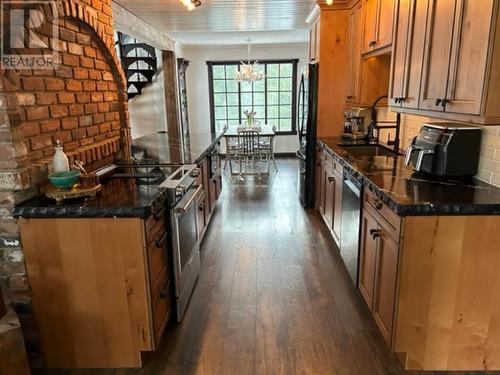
(379, 251)
(418, 277)
(367, 78)
(455, 70)
(385, 283)
(102, 288)
(212, 188)
(368, 258)
(370, 10)
(469, 56)
(378, 25)
(436, 64)
(354, 58)
(329, 195)
(407, 53)
(329, 203)
(318, 178)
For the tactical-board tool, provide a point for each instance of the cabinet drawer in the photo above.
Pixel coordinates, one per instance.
(337, 168)
(382, 210)
(161, 304)
(321, 155)
(332, 165)
(151, 222)
(157, 250)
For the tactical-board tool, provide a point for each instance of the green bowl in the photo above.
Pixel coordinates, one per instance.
(64, 180)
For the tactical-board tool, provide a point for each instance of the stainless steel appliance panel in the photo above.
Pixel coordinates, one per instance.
(186, 247)
(351, 223)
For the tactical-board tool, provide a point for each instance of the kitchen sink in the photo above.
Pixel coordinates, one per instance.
(368, 150)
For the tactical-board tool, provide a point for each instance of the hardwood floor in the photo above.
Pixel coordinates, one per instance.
(273, 296)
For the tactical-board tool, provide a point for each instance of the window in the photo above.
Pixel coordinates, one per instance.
(273, 99)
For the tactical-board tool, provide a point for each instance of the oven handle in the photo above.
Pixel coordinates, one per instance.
(181, 210)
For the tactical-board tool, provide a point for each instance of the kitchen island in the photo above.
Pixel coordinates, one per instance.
(104, 268)
(428, 262)
(126, 197)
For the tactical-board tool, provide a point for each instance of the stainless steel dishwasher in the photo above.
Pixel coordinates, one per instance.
(351, 222)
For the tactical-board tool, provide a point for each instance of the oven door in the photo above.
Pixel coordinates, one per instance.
(185, 245)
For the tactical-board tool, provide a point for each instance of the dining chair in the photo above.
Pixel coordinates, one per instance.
(266, 146)
(248, 149)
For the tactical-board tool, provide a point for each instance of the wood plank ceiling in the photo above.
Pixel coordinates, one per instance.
(222, 15)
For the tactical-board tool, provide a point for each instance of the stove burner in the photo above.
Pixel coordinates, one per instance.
(175, 179)
(153, 177)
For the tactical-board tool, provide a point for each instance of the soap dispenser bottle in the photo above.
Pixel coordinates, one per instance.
(60, 163)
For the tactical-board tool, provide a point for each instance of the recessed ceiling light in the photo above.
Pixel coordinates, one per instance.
(190, 4)
(329, 2)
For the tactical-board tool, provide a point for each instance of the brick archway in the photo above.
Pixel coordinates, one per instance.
(95, 21)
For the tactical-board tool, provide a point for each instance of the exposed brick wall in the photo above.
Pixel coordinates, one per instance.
(82, 103)
(77, 103)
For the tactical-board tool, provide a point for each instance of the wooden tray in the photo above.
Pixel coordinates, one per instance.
(77, 191)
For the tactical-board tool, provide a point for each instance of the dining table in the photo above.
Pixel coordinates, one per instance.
(265, 131)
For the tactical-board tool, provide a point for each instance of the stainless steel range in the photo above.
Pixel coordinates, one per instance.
(181, 196)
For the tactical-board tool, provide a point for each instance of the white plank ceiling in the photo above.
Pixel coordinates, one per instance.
(222, 15)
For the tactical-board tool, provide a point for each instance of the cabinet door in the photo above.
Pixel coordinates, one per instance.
(385, 21)
(469, 55)
(385, 285)
(323, 182)
(318, 179)
(437, 54)
(408, 51)
(368, 258)
(353, 87)
(415, 53)
(399, 48)
(337, 207)
(329, 195)
(370, 25)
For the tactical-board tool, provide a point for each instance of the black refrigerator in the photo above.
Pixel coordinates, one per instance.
(307, 114)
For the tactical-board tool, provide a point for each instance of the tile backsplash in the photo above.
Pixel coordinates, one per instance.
(489, 165)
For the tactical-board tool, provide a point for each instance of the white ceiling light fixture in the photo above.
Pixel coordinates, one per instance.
(191, 4)
(329, 2)
(249, 72)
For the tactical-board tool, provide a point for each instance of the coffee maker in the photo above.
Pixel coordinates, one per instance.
(356, 123)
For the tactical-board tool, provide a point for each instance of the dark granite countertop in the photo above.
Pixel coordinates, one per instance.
(118, 198)
(124, 197)
(162, 148)
(411, 194)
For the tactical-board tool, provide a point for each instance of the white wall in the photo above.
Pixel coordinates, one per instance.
(147, 111)
(197, 79)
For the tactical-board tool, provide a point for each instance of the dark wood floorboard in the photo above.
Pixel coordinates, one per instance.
(273, 296)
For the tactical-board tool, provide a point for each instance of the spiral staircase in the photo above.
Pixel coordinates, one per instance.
(138, 61)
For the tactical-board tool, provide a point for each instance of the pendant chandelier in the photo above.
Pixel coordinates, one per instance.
(249, 72)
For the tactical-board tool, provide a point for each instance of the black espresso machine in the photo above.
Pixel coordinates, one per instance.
(446, 150)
